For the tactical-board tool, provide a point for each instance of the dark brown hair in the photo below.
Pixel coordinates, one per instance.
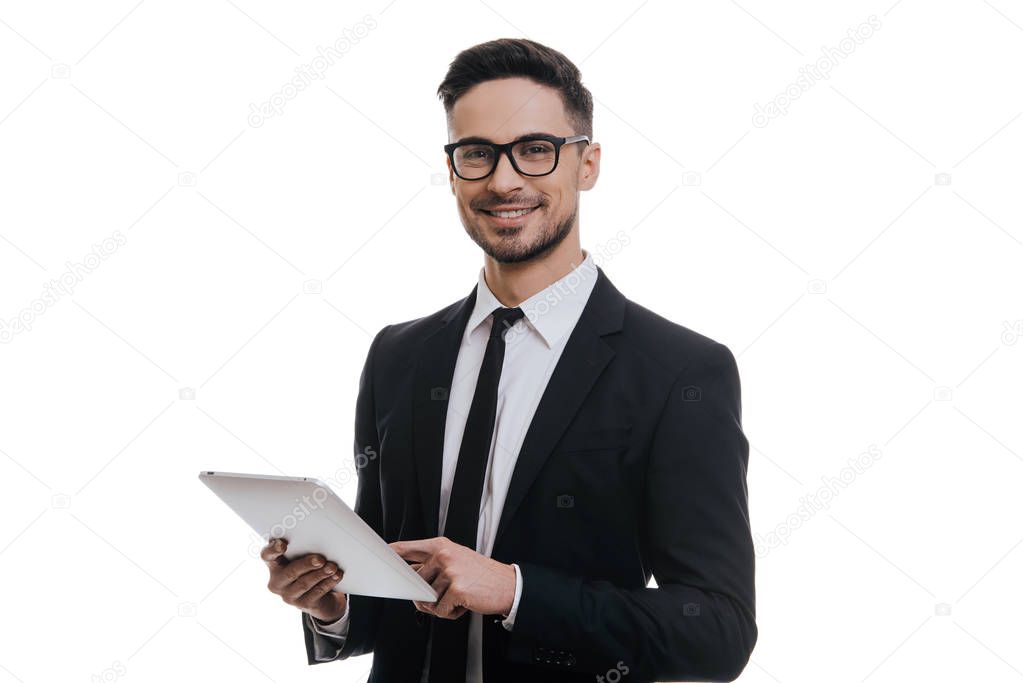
(510, 57)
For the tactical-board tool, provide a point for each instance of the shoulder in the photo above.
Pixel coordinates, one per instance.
(672, 347)
(401, 339)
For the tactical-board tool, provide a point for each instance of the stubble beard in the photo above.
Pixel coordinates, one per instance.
(506, 250)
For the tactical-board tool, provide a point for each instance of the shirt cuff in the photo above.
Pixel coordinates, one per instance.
(338, 627)
(509, 621)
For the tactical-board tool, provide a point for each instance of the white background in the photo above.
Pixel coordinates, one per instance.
(873, 302)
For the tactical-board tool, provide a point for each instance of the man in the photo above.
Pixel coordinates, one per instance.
(543, 447)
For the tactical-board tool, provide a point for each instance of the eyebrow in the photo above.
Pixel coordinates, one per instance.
(524, 136)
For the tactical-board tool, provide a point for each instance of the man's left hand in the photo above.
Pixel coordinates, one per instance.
(464, 579)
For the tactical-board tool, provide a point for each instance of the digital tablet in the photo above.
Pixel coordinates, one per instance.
(313, 519)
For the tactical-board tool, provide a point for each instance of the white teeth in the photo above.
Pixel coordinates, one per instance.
(510, 214)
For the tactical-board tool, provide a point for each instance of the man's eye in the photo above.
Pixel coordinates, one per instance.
(535, 149)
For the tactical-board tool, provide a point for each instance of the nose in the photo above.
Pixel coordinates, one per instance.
(505, 178)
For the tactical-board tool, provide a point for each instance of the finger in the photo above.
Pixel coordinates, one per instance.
(435, 576)
(312, 597)
(410, 554)
(297, 588)
(273, 552)
(431, 608)
(281, 578)
(417, 549)
(450, 606)
(303, 565)
(430, 570)
(424, 571)
(436, 608)
(450, 598)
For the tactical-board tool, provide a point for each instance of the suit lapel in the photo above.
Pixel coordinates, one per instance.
(434, 372)
(585, 356)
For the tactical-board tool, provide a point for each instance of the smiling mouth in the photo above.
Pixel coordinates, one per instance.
(510, 214)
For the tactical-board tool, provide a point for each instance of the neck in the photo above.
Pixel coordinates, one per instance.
(513, 283)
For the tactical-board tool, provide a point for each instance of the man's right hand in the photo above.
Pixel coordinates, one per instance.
(305, 582)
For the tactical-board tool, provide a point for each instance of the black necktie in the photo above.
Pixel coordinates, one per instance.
(451, 636)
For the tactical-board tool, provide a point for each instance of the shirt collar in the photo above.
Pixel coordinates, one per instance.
(552, 312)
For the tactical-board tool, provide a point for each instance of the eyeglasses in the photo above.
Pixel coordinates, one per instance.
(536, 155)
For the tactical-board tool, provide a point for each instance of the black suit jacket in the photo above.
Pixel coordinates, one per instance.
(634, 466)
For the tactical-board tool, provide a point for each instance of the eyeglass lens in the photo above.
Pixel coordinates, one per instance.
(535, 157)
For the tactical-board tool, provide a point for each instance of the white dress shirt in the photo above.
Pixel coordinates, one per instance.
(532, 349)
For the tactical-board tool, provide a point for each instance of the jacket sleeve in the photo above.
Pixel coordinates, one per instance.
(334, 633)
(698, 624)
(364, 610)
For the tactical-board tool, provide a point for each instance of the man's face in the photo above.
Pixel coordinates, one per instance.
(501, 111)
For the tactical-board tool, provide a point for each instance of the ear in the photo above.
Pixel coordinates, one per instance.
(589, 166)
(451, 174)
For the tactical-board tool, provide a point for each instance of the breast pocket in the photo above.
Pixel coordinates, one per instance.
(586, 489)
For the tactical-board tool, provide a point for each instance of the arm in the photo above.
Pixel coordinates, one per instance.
(699, 623)
(361, 627)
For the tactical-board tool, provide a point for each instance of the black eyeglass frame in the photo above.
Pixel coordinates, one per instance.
(506, 148)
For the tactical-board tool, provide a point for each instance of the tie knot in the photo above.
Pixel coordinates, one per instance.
(504, 318)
